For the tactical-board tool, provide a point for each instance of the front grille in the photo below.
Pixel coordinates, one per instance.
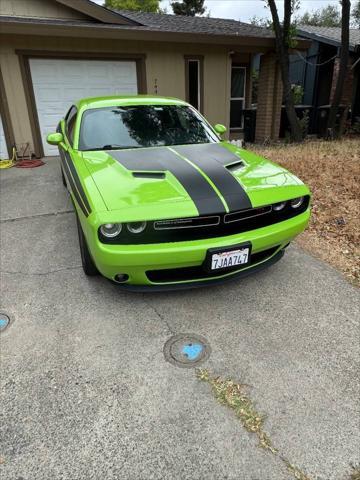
(195, 222)
(200, 228)
(198, 273)
(244, 214)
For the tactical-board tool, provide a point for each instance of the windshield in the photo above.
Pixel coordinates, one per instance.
(142, 126)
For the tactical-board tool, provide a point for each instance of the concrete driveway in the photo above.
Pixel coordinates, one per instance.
(87, 393)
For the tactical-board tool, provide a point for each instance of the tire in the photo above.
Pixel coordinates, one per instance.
(88, 265)
(63, 178)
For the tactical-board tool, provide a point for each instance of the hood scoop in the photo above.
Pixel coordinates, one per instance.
(155, 175)
(234, 167)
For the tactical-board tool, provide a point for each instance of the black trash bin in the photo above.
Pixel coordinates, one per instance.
(300, 112)
(322, 119)
(249, 124)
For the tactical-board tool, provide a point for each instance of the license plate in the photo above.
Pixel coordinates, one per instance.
(230, 259)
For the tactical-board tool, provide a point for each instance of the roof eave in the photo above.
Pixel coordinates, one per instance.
(98, 12)
(117, 31)
(321, 39)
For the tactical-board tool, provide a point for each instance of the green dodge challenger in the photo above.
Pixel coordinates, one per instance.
(162, 202)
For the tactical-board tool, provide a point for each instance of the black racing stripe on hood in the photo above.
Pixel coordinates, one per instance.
(212, 158)
(161, 159)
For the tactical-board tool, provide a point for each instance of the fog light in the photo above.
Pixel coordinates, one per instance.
(297, 202)
(111, 230)
(279, 206)
(136, 227)
(121, 277)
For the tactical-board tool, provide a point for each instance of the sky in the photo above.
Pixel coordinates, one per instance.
(244, 10)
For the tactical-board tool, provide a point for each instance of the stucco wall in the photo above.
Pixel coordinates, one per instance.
(15, 94)
(165, 67)
(38, 8)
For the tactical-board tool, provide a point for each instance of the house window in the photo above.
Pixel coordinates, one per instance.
(193, 72)
(237, 100)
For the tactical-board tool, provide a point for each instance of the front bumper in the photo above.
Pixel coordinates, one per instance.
(136, 260)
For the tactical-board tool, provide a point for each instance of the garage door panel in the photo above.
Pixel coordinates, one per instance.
(46, 94)
(59, 83)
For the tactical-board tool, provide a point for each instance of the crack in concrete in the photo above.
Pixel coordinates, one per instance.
(49, 272)
(162, 318)
(233, 395)
(39, 215)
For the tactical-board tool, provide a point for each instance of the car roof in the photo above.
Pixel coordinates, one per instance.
(99, 102)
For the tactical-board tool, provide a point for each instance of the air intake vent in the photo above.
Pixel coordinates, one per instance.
(235, 166)
(149, 175)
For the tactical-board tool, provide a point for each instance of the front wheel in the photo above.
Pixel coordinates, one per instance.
(88, 265)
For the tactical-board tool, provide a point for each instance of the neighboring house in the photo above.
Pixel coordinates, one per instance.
(317, 71)
(53, 52)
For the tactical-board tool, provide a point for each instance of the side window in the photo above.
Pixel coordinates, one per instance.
(68, 113)
(70, 121)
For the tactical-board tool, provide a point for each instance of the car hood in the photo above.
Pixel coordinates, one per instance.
(189, 180)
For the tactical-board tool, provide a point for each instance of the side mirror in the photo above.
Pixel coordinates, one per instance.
(55, 138)
(220, 129)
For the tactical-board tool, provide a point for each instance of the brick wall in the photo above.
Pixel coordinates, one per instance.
(269, 99)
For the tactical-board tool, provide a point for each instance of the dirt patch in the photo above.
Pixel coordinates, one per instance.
(332, 171)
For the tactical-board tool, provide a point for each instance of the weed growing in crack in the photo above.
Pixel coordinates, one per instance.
(234, 395)
(355, 474)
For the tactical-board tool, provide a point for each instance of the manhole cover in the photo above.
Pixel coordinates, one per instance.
(187, 350)
(4, 321)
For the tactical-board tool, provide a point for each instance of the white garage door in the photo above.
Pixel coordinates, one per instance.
(3, 148)
(59, 83)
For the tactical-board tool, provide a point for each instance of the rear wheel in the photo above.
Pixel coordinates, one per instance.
(88, 265)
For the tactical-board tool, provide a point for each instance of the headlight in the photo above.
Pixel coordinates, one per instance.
(279, 206)
(136, 227)
(297, 202)
(111, 230)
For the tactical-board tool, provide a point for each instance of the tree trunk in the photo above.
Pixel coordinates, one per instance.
(282, 52)
(344, 59)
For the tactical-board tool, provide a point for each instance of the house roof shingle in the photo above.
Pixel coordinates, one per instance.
(212, 30)
(331, 35)
(205, 25)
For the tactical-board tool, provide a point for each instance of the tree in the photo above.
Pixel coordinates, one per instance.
(344, 58)
(356, 14)
(284, 40)
(189, 8)
(328, 16)
(261, 22)
(134, 5)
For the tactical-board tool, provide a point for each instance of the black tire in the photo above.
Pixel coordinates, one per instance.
(88, 265)
(63, 177)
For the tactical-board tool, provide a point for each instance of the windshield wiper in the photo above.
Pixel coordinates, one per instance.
(109, 147)
(113, 146)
